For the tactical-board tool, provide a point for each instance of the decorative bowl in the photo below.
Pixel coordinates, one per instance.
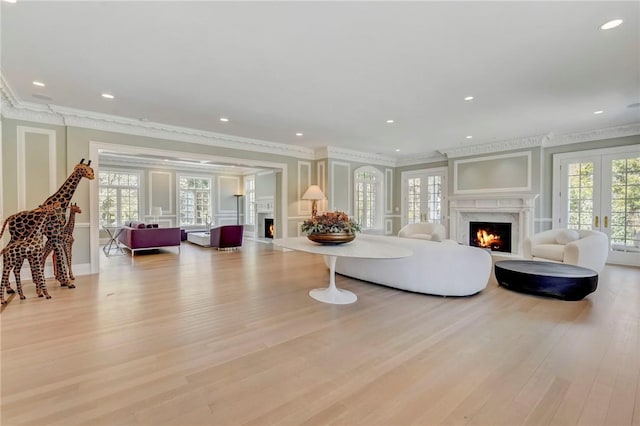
(331, 237)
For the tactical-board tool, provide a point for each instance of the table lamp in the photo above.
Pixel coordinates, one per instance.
(314, 193)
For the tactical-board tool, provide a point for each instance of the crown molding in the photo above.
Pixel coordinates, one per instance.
(423, 159)
(14, 108)
(7, 93)
(594, 135)
(110, 123)
(508, 145)
(336, 153)
(115, 160)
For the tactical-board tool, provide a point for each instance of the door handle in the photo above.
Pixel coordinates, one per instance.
(597, 224)
(606, 221)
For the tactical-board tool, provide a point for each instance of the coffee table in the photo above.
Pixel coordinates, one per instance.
(200, 238)
(558, 280)
(356, 248)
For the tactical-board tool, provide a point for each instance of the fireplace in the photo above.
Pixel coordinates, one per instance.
(268, 228)
(514, 208)
(491, 235)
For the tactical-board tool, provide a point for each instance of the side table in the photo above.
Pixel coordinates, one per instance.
(113, 244)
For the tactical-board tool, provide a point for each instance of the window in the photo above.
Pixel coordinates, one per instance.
(250, 200)
(195, 200)
(368, 186)
(119, 197)
(422, 195)
(434, 197)
(413, 200)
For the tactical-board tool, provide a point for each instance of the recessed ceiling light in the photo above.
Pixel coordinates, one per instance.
(299, 134)
(225, 119)
(468, 98)
(611, 24)
(107, 96)
(390, 121)
(38, 83)
(10, 1)
(598, 112)
(397, 149)
(469, 137)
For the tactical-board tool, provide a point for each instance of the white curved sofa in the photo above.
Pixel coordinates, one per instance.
(438, 268)
(585, 248)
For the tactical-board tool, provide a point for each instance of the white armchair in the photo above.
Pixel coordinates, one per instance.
(424, 231)
(584, 248)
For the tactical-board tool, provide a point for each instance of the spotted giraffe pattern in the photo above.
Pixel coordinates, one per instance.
(28, 248)
(55, 223)
(67, 239)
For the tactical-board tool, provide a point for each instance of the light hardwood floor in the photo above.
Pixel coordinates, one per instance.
(230, 338)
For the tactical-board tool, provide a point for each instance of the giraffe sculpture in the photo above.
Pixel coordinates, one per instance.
(28, 248)
(67, 239)
(55, 223)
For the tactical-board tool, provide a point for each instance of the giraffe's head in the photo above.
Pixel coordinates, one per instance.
(85, 170)
(75, 209)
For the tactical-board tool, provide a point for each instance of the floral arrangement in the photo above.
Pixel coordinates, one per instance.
(330, 222)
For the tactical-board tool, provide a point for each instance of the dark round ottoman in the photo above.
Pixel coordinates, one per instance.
(558, 280)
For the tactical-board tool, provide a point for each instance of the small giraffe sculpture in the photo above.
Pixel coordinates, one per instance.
(67, 239)
(28, 248)
(55, 223)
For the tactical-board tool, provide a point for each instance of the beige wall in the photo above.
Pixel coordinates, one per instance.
(335, 176)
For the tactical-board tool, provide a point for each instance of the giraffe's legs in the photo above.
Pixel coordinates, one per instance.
(16, 275)
(69, 253)
(37, 272)
(5, 280)
(62, 274)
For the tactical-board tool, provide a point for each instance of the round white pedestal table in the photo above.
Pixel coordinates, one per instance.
(357, 248)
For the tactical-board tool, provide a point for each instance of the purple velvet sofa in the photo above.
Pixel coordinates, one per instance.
(137, 236)
(226, 236)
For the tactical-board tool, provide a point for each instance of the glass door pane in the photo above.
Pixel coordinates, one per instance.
(621, 206)
(580, 195)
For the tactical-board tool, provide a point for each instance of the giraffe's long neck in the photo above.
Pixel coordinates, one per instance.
(39, 226)
(65, 192)
(71, 222)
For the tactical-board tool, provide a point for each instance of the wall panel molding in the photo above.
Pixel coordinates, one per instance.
(304, 181)
(321, 170)
(21, 166)
(161, 180)
(341, 200)
(388, 191)
(225, 190)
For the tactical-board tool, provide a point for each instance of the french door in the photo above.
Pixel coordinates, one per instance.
(423, 196)
(600, 190)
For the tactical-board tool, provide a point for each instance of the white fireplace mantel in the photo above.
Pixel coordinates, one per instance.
(492, 207)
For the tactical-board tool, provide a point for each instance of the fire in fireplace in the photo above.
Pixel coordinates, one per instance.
(268, 228)
(491, 235)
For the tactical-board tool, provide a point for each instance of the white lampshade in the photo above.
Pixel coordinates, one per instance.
(313, 193)
(156, 211)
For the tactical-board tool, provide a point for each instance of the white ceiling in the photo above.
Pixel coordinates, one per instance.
(335, 71)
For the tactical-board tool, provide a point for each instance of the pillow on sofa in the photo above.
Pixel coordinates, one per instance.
(152, 225)
(421, 236)
(566, 236)
(134, 224)
(437, 236)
